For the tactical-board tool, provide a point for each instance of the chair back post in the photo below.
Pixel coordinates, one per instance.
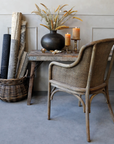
(110, 67)
(91, 68)
(87, 91)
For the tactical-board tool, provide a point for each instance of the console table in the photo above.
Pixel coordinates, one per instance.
(37, 57)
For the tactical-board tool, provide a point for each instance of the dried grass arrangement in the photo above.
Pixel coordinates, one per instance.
(56, 21)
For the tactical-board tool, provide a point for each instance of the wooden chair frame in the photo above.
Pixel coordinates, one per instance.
(103, 88)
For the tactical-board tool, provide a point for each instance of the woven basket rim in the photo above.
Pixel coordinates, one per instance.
(12, 90)
(14, 79)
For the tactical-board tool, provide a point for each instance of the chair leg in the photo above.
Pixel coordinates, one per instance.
(79, 103)
(87, 118)
(109, 104)
(49, 100)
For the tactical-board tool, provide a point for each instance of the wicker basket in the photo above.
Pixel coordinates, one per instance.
(13, 90)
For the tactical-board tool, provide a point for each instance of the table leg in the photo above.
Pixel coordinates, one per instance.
(33, 64)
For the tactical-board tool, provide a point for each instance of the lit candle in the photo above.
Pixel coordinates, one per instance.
(76, 33)
(67, 39)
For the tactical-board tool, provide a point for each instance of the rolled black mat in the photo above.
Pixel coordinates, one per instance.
(5, 55)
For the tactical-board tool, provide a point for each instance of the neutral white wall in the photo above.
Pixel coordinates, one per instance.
(83, 6)
(98, 22)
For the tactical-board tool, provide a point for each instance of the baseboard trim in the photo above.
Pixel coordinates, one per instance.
(39, 93)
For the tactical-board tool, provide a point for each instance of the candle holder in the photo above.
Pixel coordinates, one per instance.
(75, 44)
(67, 49)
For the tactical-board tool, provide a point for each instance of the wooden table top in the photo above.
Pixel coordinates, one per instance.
(48, 56)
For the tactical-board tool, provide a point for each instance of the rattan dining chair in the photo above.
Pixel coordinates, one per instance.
(85, 76)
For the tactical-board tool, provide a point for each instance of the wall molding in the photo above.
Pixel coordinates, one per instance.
(36, 35)
(8, 29)
(92, 28)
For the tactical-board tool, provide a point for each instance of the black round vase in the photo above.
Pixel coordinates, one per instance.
(53, 41)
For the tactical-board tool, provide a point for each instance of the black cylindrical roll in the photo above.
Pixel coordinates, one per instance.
(5, 55)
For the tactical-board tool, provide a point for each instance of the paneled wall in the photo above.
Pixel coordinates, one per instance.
(98, 23)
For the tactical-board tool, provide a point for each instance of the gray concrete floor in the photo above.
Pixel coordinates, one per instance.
(23, 124)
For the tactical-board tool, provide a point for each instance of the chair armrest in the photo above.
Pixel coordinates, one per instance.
(69, 65)
(57, 64)
(60, 64)
(66, 65)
